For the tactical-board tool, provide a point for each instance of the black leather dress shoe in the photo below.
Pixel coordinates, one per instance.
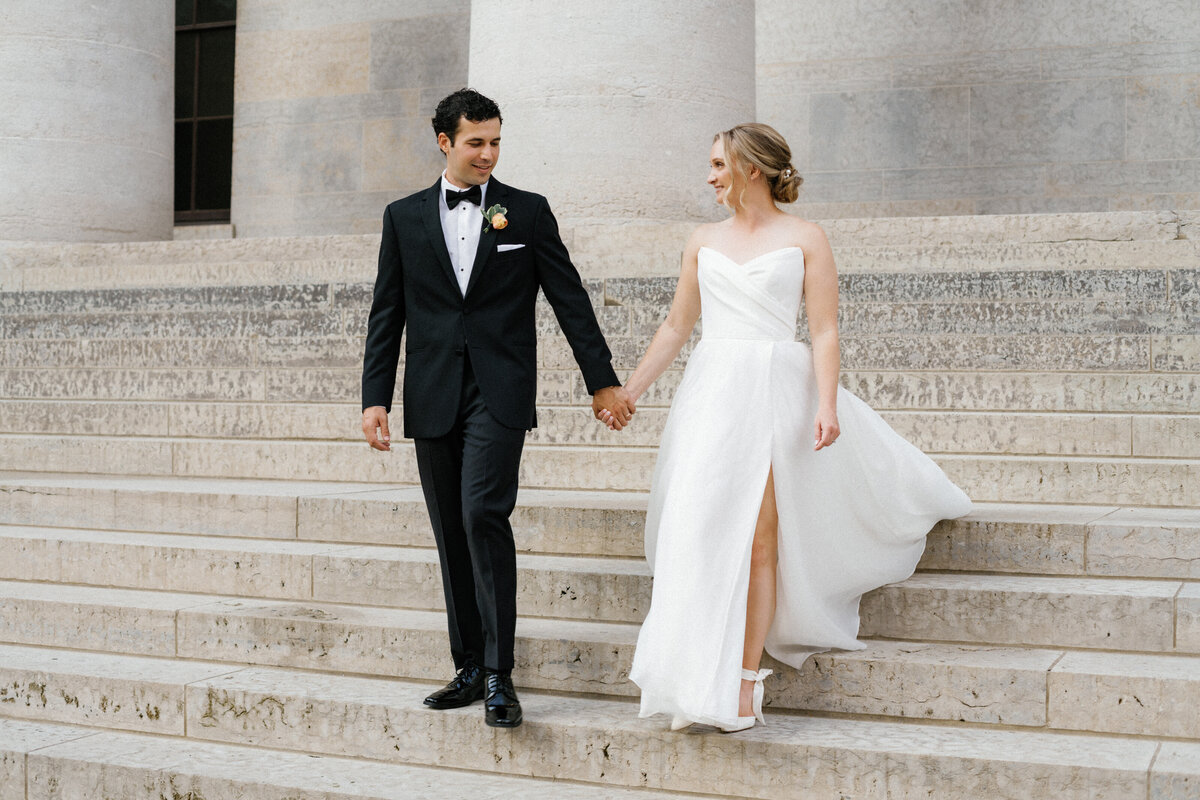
(466, 688)
(501, 707)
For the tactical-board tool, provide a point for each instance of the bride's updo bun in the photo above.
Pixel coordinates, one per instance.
(754, 144)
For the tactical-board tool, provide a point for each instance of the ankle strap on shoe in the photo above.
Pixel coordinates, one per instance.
(751, 675)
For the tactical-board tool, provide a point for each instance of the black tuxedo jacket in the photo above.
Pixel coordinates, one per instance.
(493, 323)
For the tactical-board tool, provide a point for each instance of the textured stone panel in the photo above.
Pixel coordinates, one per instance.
(1075, 612)
(1012, 24)
(1044, 285)
(1056, 121)
(1166, 437)
(1187, 624)
(820, 33)
(1175, 354)
(288, 421)
(1009, 433)
(401, 57)
(144, 300)
(1152, 543)
(1126, 693)
(1025, 539)
(1176, 774)
(936, 68)
(1159, 20)
(17, 738)
(101, 455)
(937, 182)
(1100, 353)
(894, 128)
(1121, 178)
(1163, 117)
(285, 64)
(1074, 317)
(1124, 60)
(399, 152)
(842, 187)
(89, 418)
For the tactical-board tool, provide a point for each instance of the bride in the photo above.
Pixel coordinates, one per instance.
(756, 537)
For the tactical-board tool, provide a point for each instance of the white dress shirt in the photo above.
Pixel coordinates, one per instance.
(461, 227)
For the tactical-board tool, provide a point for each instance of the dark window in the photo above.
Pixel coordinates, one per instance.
(203, 109)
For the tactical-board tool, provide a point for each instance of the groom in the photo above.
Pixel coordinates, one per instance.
(463, 276)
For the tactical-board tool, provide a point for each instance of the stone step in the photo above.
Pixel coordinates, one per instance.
(1167, 392)
(1104, 541)
(383, 720)
(1157, 617)
(59, 762)
(1012, 433)
(986, 478)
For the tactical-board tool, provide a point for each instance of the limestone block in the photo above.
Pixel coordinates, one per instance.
(289, 64)
(1088, 480)
(983, 182)
(262, 421)
(402, 59)
(1044, 611)
(1166, 437)
(985, 390)
(17, 738)
(577, 426)
(1163, 115)
(567, 588)
(294, 461)
(133, 353)
(552, 467)
(398, 152)
(933, 27)
(123, 456)
(937, 68)
(143, 300)
(1175, 775)
(161, 561)
(98, 689)
(1127, 59)
(1187, 619)
(1019, 256)
(1079, 317)
(1125, 693)
(1037, 539)
(924, 681)
(892, 128)
(107, 419)
(1011, 228)
(1015, 352)
(134, 384)
(112, 620)
(582, 523)
(316, 385)
(1152, 543)
(577, 739)
(169, 505)
(174, 325)
(143, 768)
(1060, 121)
(1068, 434)
(1122, 178)
(827, 184)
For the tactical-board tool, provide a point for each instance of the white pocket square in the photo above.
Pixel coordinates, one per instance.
(503, 248)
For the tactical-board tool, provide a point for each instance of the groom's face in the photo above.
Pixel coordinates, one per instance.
(473, 154)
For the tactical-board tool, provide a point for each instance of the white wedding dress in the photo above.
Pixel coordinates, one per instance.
(852, 517)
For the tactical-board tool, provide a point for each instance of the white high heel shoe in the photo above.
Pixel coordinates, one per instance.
(748, 722)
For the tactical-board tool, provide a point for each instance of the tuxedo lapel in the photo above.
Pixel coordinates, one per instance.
(496, 194)
(433, 227)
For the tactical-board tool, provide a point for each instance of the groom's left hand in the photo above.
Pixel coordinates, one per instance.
(613, 406)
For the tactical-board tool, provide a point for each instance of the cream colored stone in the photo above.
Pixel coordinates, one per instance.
(1152, 543)
(1018, 255)
(109, 419)
(1043, 611)
(1014, 433)
(1009, 538)
(143, 768)
(923, 681)
(79, 454)
(1153, 695)
(1187, 619)
(1166, 437)
(275, 65)
(1176, 772)
(17, 739)
(572, 738)
(98, 689)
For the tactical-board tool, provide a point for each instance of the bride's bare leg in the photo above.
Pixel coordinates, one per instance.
(760, 603)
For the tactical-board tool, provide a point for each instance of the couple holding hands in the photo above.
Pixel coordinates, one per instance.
(760, 532)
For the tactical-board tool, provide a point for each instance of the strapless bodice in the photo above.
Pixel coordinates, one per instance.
(757, 300)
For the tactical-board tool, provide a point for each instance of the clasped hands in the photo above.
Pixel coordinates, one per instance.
(613, 406)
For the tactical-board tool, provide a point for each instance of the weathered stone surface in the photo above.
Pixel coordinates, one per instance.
(1166, 437)
(159, 299)
(1015, 352)
(96, 619)
(1152, 543)
(383, 720)
(133, 384)
(142, 768)
(87, 418)
(1068, 434)
(133, 353)
(1074, 317)
(18, 738)
(1043, 611)
(1040, 285)
(1126, 693)
(123, 456)
(174, 325)
(1175, 774)
(1162, 115)
(98, 689)
(1038, 539)
(1021, 256)
(1175, 353)
(1187, 619)
(924, 681)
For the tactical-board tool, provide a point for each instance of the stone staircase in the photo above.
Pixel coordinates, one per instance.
(210, 587)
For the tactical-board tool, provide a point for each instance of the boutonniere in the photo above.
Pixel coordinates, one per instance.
(495, 218)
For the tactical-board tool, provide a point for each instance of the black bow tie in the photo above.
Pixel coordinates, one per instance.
(472, 195)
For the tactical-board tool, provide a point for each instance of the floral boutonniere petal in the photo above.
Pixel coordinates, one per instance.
(496, 218)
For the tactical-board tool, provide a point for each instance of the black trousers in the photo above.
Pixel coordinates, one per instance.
(469, 477)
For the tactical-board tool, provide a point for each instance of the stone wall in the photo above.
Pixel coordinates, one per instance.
(332, 109)
(950, 107)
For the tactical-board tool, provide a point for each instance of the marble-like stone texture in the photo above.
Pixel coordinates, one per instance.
(1176, 774)
(1164, 115)
(1187, 619)
(17, 739)
(1126, 693)
(988, 542)
(1041, 611)
(134, 384)
(1153, 543)
(96, 689)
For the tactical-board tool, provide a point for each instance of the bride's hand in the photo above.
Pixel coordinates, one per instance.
(826, 428)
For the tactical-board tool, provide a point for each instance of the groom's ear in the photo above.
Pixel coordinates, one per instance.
(444, 143)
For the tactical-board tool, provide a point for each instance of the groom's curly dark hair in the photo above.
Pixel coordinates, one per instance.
(463, 103)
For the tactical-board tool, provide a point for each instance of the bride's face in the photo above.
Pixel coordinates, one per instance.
(720, 176)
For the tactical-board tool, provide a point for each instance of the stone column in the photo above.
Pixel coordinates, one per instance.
(86, 137)
(610, 109)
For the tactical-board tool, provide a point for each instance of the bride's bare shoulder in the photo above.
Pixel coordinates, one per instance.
(702, 235)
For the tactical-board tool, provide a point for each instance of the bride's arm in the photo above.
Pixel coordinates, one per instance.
(671, 336)
(821, 301)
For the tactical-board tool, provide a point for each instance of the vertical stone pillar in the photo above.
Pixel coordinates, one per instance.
(86, 137)
(610, 108)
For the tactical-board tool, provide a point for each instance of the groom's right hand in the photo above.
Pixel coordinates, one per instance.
(375, 428)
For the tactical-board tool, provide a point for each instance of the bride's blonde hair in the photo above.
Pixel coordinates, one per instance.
(754, 144)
